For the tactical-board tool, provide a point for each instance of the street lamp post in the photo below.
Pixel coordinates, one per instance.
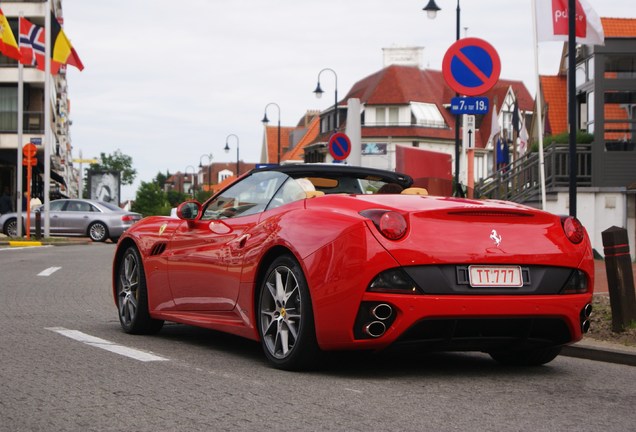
(209, 156)
(431, 11)
(193, 175)
(319, 93)
(266, 120)
(227, 149)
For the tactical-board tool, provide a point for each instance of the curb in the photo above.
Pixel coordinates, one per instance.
(601, 351)
(24, 243)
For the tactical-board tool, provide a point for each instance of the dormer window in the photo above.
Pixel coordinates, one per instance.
(427, 115)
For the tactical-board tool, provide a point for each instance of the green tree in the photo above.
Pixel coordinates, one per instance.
(150, 200)
(117, 161)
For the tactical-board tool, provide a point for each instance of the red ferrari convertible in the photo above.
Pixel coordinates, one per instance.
(311, 258)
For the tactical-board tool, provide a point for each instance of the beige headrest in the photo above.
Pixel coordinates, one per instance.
(314, 194)
(414, 191)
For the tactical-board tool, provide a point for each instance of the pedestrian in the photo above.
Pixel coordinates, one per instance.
(6, 204)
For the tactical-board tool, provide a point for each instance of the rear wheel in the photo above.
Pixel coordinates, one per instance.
(10, 228)
(132, 296)
(533, 357)
(286, 322)
(98, 232)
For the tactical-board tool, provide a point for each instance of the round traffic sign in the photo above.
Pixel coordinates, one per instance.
(29, 150)
(339, 146)
(471, 66)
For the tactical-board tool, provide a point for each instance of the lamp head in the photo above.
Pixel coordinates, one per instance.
(227, 147)
(318, 92)
(431, 9)
(265, 119)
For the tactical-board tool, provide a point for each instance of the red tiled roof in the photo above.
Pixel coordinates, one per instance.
(310, 135)
(554, 89)
(619, 27)
(271, 138)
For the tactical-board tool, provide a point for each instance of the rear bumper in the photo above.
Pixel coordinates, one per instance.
(475, 323)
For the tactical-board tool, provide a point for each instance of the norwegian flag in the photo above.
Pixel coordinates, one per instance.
(32, 45)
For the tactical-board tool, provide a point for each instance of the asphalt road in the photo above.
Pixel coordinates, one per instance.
(56, 376)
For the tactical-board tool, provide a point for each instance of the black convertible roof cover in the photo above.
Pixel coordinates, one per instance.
(339, 170)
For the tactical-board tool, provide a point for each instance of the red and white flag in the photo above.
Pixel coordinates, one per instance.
(552, 22)
(31, 42)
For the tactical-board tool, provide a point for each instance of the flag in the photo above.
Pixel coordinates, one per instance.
(515, 117)
(32, 44)
(523, 140)
(8, 45)
(494, 125)
(62, 52)
(503, 153)
(552, 22)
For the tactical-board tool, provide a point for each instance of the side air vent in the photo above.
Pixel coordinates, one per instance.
(158, 249)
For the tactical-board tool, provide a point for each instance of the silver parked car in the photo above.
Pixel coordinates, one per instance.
(77, 217)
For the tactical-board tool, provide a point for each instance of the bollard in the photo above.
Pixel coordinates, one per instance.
(38, 225)
(620, 278)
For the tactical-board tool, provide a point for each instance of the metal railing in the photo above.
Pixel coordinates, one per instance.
(520, 180)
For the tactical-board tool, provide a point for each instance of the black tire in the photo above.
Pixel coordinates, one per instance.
(10, 228)
(132, 295)
(114, 239)
(534, 357)
(98, 232)
(285, 317)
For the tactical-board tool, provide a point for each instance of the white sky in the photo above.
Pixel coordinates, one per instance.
(166, 81)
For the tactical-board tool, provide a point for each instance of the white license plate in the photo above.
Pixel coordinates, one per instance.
(495, 276)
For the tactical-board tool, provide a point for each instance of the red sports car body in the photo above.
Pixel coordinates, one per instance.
(311, 257)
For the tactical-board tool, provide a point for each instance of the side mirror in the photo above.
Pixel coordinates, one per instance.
(189, 210)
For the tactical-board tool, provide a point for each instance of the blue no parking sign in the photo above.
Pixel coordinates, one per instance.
(339, 146)
(471, 66)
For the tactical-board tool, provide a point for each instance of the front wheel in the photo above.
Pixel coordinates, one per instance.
(286, 322)
(532, 357)
(132, 295)
(98, 232)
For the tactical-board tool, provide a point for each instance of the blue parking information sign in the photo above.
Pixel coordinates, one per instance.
(469, 105)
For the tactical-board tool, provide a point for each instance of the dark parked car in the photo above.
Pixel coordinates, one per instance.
(78, 217)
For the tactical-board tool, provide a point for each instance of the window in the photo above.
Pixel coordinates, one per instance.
(427, 115)
(620, 120)
(9, 108)
(56, 205)
(590, 112)
(620, 66)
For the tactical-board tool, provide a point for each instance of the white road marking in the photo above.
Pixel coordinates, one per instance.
(107, 345)
(49, 271)
(15, 248)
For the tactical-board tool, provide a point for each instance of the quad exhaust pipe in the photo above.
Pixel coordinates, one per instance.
(586, 312)
(377, 327)
(382, 311)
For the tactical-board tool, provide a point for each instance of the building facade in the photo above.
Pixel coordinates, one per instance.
(63, 176)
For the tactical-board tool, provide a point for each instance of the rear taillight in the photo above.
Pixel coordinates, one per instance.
(127, 218)
(573, 229)
(391, 224)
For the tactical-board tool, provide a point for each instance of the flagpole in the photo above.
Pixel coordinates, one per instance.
(20, 137)
(47, 117)
(539, 106)
(572, 101)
